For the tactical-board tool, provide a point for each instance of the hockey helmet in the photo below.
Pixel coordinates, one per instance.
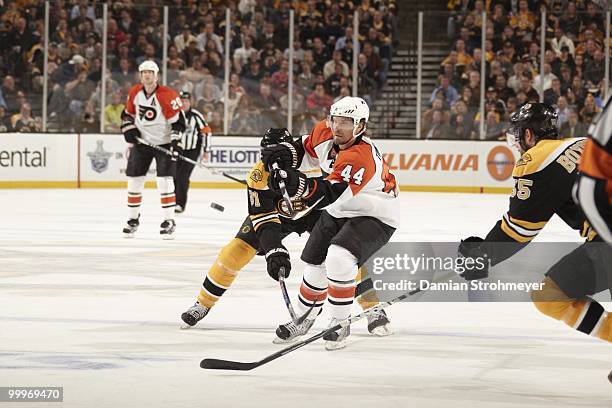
(275, 136)
(149, 66)
(540, 118)
(351, 107)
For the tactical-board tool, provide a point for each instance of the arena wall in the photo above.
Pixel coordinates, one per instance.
(99, 160)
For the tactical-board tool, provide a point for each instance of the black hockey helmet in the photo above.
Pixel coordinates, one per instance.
(540, 118)
(275, 136)
(185, 95)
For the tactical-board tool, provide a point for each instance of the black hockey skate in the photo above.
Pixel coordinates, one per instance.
(337, 339)
(288, 332)
(379, 324)
(193, 315)
(166, 229)
(131, 227)
(178, 209)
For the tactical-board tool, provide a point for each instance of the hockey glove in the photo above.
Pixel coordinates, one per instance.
(472, 248)
(285, 154)
(295, 182)
(277, 259)
(129, 129)
(176, 149)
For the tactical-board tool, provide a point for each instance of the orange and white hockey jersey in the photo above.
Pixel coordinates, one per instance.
(154, 114)
(358, 183)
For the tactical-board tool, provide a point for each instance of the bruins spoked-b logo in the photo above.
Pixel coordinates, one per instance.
(146, 113)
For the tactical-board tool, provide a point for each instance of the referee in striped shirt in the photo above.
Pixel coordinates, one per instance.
(196, 139)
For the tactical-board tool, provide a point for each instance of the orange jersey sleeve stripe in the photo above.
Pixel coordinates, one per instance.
(319, 134)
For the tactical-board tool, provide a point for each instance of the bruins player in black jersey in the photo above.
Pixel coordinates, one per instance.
(262, 232)
(543, 180)
(544, 177)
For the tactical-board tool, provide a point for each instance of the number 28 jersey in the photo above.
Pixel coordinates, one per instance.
(155, 113)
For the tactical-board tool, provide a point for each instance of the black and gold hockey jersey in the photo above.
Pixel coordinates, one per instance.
(543, 180)
(268, 212)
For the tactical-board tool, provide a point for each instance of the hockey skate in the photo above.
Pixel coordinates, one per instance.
(379, 324)
(178, 209)
(289, 332)
(166, 229)
(337, 339)
(131, 227)
(193, 315)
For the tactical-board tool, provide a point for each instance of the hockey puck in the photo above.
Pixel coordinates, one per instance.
(217, 207)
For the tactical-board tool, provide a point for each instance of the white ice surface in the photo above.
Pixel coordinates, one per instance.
(83, 308)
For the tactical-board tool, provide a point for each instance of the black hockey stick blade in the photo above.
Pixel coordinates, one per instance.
(216, 364)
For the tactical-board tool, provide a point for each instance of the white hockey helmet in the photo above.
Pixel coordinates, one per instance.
(148, 66)
(351, 107)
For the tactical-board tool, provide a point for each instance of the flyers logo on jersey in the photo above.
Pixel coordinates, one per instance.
(146, 113)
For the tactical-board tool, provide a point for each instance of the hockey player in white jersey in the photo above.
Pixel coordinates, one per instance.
(152, 112)
(360, 210)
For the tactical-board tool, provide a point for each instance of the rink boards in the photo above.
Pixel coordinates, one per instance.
(99, 160)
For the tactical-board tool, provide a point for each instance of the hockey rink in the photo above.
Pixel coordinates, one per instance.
(85, 309)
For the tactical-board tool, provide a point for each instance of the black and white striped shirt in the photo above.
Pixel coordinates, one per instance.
(196, 128)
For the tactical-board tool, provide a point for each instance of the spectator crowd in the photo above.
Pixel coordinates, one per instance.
(259, 49)
(571, 77)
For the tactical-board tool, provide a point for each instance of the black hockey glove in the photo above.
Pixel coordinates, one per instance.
(285, 154)
(295, 182)
(277, 260)
(129, 129)
(176, 149)
(471, 248)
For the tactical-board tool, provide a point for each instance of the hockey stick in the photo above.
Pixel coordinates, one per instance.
(283, 189)
(281, 282)
(296, 320)
(217, 364)
(237, 180)
(185, 159)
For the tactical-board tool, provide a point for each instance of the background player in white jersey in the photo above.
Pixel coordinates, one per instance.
(195, 142)
(152, 112)
(360, 211)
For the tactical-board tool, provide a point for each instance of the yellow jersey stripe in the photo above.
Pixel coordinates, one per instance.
(528, 224)
(513, 234)
(275, 220)
(258, 216)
